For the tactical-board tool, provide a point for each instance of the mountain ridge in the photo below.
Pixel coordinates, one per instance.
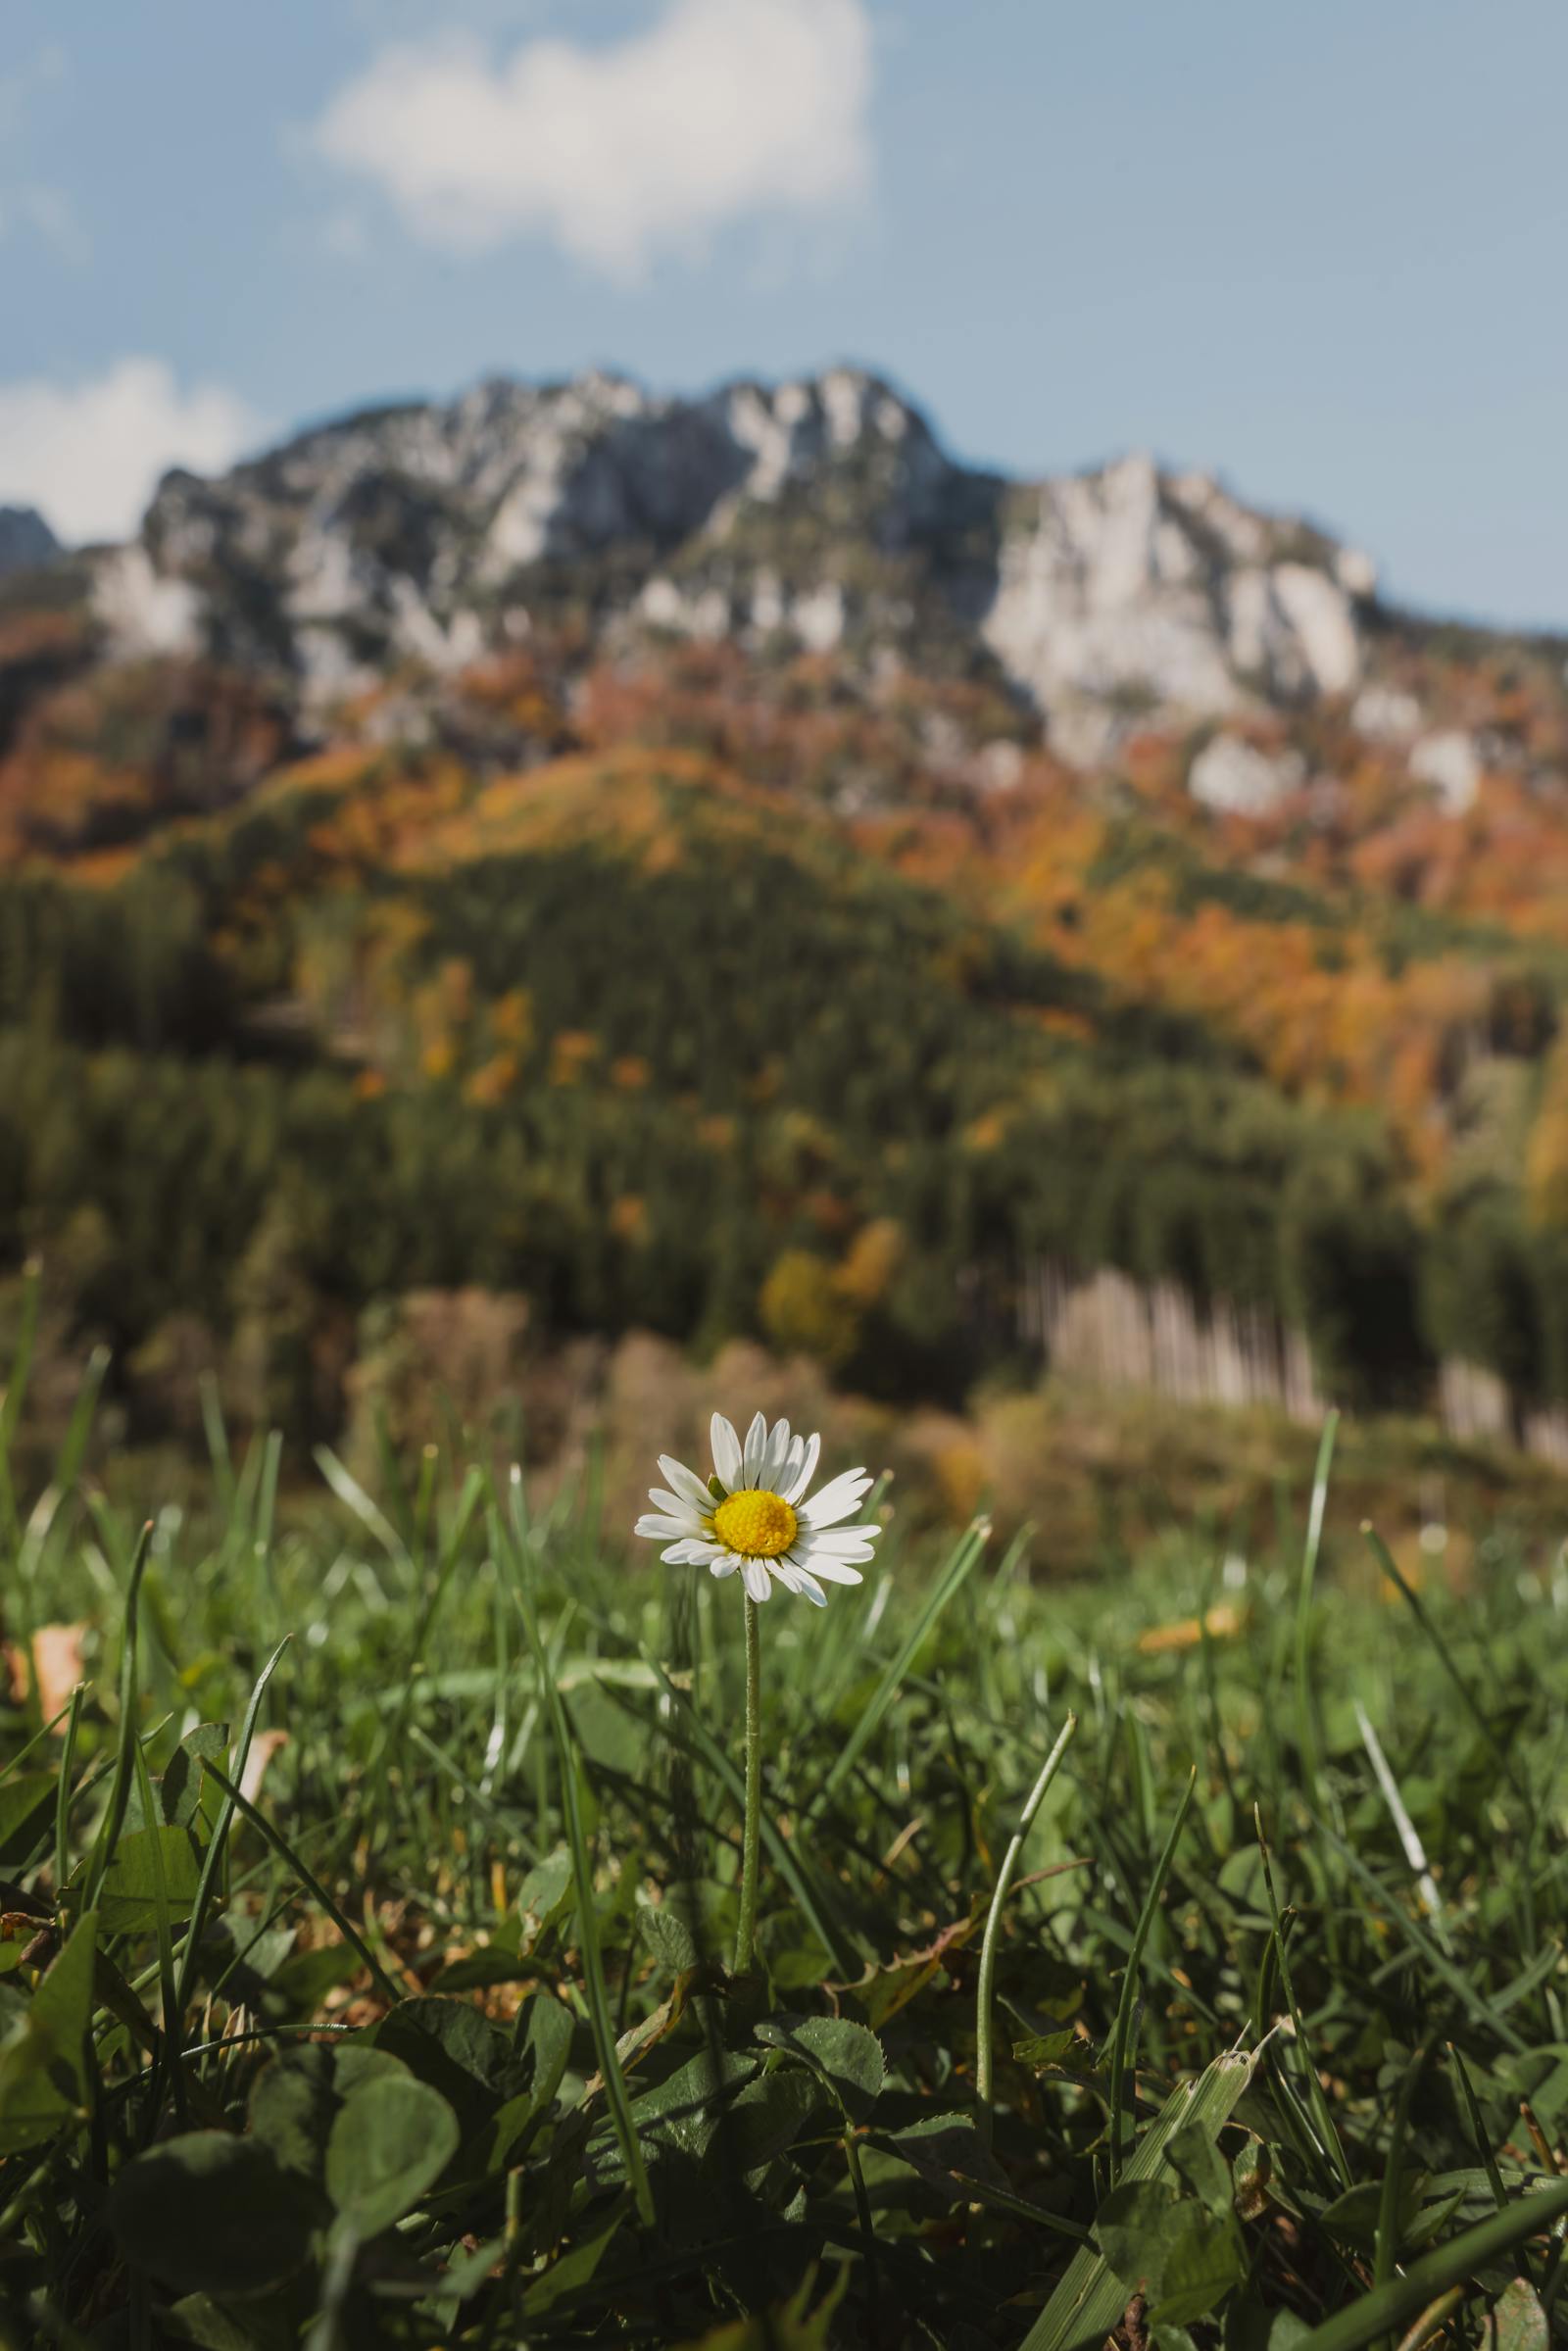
(821, 514)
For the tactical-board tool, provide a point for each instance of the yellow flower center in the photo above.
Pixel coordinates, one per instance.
(760, 1526)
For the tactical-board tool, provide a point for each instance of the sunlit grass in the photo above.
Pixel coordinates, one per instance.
(423, 2033)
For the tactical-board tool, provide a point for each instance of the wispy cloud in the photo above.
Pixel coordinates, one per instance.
(722, 110)
(29, 205)
(48, 213)
(21, 86)
(88, 455)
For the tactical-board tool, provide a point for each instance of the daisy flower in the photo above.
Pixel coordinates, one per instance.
(755, 1514)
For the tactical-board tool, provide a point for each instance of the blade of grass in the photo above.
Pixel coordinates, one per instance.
(1128, 1981)
(14, 1395)
(507, 1540)
(119, 1786)
(1409, 1834)
(1322, 2119)
(217, 1438)
(999, 1896)
(1444, 1656)
(1401, 2298)
(213, 1859)
(937, 1601)
(307, 1877)
(1478, 2130)
(168, 2054)
(1480, 2007)
(1305, 1705)
(1385, 2244)
(351, 1493)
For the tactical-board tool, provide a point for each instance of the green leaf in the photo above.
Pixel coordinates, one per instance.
(27, 1803)
(679, 2116)
(127, 1901)
(1169, 2247)
(1202, 2265)
(546, 2047)
(1089, 2297)
(1196, 2160)
(296, 2099)
(391, 2142)
(43, 2072)
(1355, 2217)
(546, 1893)
(669, 1938)
(846, 2056)
(181, 1783)
(766, 2120)
(1050, 2049)
(455, 2051)
(1516, 2321)
(197, 2319)
(1129, 2229)
(574, 2269)
(210, 2213)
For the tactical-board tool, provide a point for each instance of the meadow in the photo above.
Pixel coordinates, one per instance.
(1172, 1954)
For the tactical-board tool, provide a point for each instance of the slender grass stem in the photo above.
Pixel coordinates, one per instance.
(746, 1926)
(983, 2072)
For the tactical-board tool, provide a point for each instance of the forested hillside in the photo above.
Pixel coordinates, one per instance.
(816, 974)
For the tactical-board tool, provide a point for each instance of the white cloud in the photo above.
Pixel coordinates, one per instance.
(88, 455)
(721, 110)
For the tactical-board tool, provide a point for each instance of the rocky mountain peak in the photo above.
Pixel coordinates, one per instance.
(819, 513)
(25, 539)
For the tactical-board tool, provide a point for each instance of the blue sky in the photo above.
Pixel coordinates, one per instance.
(1321, 251)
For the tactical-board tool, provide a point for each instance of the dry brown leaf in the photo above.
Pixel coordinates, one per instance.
(264, 1746)
(1222, 1623)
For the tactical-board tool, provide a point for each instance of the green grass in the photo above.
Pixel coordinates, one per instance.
(427, 2038)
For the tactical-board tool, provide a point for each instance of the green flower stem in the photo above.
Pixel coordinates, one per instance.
(746, 1931)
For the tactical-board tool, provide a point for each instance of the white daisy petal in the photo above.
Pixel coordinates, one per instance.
(833, 1571)
(846, 1543)
(806, 1472)
(838, 1497)
(677, 1506)
(723, 1565)
(705, 1550)
(758, 1583)
(726, 1452)
(684, 1554)
(777, 1452)
(806, 1585)
(686, 1483)
(755, 1448)
(673, 1530)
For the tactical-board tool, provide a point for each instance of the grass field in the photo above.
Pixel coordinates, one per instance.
(1250, 2029)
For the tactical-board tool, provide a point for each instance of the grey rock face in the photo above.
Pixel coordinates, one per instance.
(818, 515)
(25, 539)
